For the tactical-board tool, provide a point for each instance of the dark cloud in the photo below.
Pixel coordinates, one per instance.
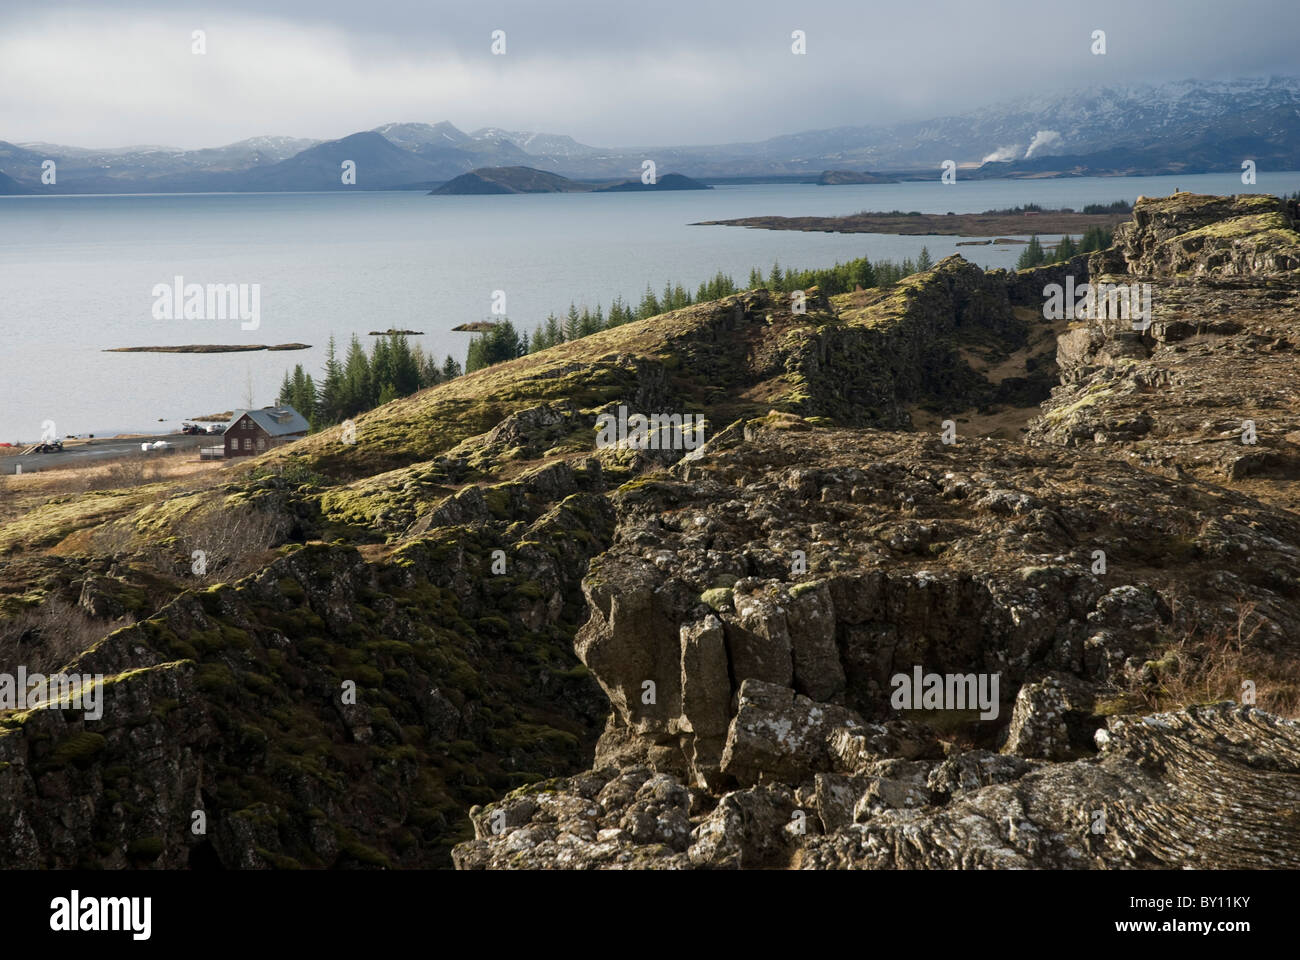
(663, 72)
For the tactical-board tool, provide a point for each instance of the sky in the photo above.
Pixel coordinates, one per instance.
(607, 72)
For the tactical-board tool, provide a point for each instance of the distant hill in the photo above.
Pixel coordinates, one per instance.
(510, 180)
(10, 187)
(669, 181)
(380, 164)
(498, 180)
(831, 178)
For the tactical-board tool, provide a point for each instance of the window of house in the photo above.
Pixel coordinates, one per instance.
(261, 444)
(248, 444)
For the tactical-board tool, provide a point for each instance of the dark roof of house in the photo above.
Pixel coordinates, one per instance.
(276, 421)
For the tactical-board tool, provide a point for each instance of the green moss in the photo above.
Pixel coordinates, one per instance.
(719, 598)
(807, 586)
(79, 748)
(145, 849)
(292, 589)
(216, 678)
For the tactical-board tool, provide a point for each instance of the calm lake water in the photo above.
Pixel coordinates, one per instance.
(77, 273)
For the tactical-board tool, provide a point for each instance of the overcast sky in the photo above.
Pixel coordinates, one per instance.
(607, 72)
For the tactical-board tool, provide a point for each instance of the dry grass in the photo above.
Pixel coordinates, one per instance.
(131, 471)
(1208, 666)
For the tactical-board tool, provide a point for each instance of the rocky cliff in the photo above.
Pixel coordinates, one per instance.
(442, 622)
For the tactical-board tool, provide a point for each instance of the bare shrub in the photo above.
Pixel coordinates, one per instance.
(233, 541)
(47, 637)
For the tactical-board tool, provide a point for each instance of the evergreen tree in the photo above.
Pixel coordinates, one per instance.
(430, 375)
(755, 279)
(356, 380)
(538, 342)
(649, 305)
(382, 371)
(616, 316)
(286, 390)
(587, 324)
(923, 262)
(450, 368)
(331, 389)
(497, 345)
(308, 401)
(572, 323)
(406, 374)
(554, 332)
(1032, 255)
(862, 274)
(775, 279)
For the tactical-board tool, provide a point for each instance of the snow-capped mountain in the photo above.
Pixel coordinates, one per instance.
(1188, 125)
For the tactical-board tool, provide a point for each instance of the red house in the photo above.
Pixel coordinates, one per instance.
(255, 431)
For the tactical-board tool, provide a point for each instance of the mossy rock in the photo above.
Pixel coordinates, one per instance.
(78, 748)
(719, 598)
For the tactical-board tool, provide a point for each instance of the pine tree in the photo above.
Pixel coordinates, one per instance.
(775, 279)
(331, 389)
(587, 324)
(356, 380)
(1065, 249)
(538, 342)
(430, 375)
(553, 332)
(923, 262)
(572, 322)
(286, 390)
(755, 279)
(1032, 255)
(382, 372)
(649, 305)
(308, 402)
(450, 368)
(476, 354)
(406, 375)
(625, 313)
(497, 345)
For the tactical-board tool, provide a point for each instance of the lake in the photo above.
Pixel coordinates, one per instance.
(77, 274)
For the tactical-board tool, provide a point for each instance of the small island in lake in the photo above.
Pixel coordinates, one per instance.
(498, 180)
(211, 348)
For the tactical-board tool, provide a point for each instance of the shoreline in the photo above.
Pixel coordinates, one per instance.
(934, 224)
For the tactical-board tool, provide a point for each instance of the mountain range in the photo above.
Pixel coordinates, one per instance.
(1187, 126)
